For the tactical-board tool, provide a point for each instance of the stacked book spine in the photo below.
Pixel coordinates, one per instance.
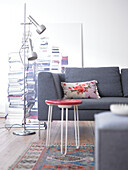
(31, 85)
(55, 60)
(15, 87)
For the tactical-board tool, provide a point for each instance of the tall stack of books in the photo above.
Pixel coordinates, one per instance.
(55, 59)
(15, 87)
(44, 58)
(64, 63)
(50, 57)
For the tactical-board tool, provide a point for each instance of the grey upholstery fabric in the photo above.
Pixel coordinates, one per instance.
(47, 89)
(111, 121)
(111, 140)
(124, 78)
(57, 83)
(87, 115)
(62, 77)
(102, 103)
(109, 83)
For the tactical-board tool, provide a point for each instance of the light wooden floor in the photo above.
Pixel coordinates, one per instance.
(12, 146)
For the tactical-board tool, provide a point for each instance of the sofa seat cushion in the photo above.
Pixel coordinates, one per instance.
(108, 78)
(102, 103)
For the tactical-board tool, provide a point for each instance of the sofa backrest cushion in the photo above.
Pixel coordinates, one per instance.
(109, 83)
(124, 79)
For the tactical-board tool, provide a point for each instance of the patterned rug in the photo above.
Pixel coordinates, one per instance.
(37, 157)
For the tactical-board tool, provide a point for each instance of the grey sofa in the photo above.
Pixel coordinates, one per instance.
(112, 87)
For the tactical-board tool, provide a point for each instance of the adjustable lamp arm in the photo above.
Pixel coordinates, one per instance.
(33, 21)
(40, 28)
(30, 44)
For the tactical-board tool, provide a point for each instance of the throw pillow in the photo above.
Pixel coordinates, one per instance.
(77, 90)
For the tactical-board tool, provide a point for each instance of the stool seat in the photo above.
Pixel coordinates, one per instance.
(63, 101)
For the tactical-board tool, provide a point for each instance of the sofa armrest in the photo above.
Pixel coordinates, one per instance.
(49, 87)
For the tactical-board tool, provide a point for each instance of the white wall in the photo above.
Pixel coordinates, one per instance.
(105, 29)
(105, 26)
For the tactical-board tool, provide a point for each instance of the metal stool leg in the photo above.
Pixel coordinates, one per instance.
(66, 131)
(62, 115)
(48, 126)
(75, 127)
(78, 132)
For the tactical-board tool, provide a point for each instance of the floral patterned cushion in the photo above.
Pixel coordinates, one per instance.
(81, 90)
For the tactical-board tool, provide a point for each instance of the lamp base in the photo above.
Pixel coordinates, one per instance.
(24, 132)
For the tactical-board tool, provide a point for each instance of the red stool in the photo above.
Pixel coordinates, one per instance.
(64, 104)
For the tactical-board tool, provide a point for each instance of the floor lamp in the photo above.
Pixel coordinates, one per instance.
(40, 29)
